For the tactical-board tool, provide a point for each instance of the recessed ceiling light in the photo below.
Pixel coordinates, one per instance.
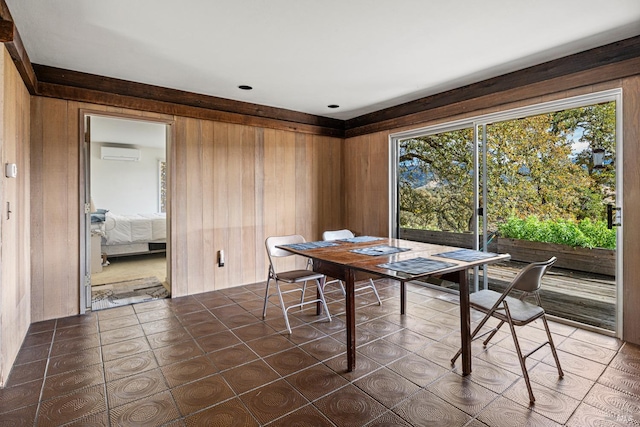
(245, 87)
(333, 106)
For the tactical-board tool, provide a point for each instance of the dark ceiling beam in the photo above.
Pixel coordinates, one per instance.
(11, 38)
(96, 84)
(70, 93)
(405, 114)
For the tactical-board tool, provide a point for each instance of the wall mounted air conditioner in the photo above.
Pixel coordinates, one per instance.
(120, 153)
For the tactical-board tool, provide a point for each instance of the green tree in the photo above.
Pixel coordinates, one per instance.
(531, 171)
(532, 167)
(435, 179)
(595, 127)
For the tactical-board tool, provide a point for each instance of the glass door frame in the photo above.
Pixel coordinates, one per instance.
(479, 124)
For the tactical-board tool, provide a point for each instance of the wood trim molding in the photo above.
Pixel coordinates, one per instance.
(92, 88)
(133, 103)
(11, 38)
(621, 52)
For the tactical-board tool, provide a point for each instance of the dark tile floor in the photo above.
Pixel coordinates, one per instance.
(210, 359)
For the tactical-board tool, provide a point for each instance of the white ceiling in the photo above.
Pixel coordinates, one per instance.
(303, 55)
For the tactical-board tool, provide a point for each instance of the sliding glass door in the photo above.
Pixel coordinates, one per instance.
(534, 182)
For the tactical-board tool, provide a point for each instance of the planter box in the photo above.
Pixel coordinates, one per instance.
(447, 238)
(598, 261)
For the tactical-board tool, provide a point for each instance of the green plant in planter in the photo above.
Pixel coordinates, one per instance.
(585, 233)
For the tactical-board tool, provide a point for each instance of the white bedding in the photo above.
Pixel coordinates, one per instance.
(139, 228)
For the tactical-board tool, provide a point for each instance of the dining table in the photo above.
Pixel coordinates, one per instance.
(401, 260)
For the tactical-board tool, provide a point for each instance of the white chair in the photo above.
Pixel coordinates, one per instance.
(298, 277)
(515, 312)
(347, 234)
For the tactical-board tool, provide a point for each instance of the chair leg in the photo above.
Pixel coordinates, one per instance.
(266, 300)
(523, 364)
(493, 333)
(553, 347)
(304, 288)
(284, 309)
(375, 291)
(320, 285)
(344, 292)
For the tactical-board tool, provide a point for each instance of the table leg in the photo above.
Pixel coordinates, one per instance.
(403, 297)
(465, 321)
(351, 319)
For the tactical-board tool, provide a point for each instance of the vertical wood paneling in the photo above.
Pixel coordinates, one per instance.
(57, 211)
(234, 204)
(260, 235)
(631, 205)
(270, 193)
(248, 255)
(195, 186)
(220, 202)
(249, 183)
(179, 247)
(15, 276)
(317, 153)
(304, 215)
(357, 184)
(37, 209)
(209, 254)
(231, 187)
(70, 298)
(287, 200)
(379, 160)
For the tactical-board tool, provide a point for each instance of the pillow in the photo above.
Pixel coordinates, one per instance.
(97, 217)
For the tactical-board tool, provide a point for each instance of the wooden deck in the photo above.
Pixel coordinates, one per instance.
(581, 297)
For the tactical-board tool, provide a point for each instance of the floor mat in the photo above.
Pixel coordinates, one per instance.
(128, 292)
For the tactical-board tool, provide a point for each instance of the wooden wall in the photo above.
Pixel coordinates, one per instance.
(366, 182)
(630, 206)
(15, 291)
(236, 185)
(55, 204)
(231, 186)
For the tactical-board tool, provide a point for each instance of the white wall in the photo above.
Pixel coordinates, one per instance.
(126, 187)
(121, 186)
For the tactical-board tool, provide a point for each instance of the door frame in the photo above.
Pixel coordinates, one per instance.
(481, 121)
(84, 184)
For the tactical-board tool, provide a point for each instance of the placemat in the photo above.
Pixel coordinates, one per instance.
(361, 239)
(379, 250)
(466, 255)
(309, 245)
(417, 265)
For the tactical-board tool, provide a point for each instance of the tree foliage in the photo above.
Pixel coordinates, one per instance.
(533, 169)
(443, 165)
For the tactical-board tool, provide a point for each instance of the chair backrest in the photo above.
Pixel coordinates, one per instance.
(530, 278)
(274, 241)
(337, 234)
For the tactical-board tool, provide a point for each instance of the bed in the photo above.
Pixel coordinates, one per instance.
(135, 234)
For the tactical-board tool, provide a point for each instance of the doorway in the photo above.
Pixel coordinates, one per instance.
(546, 173)
(126, 207)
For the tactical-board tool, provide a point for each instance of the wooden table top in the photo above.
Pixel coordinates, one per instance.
(342, 254)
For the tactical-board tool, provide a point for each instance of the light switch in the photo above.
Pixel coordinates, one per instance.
(10, 170)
